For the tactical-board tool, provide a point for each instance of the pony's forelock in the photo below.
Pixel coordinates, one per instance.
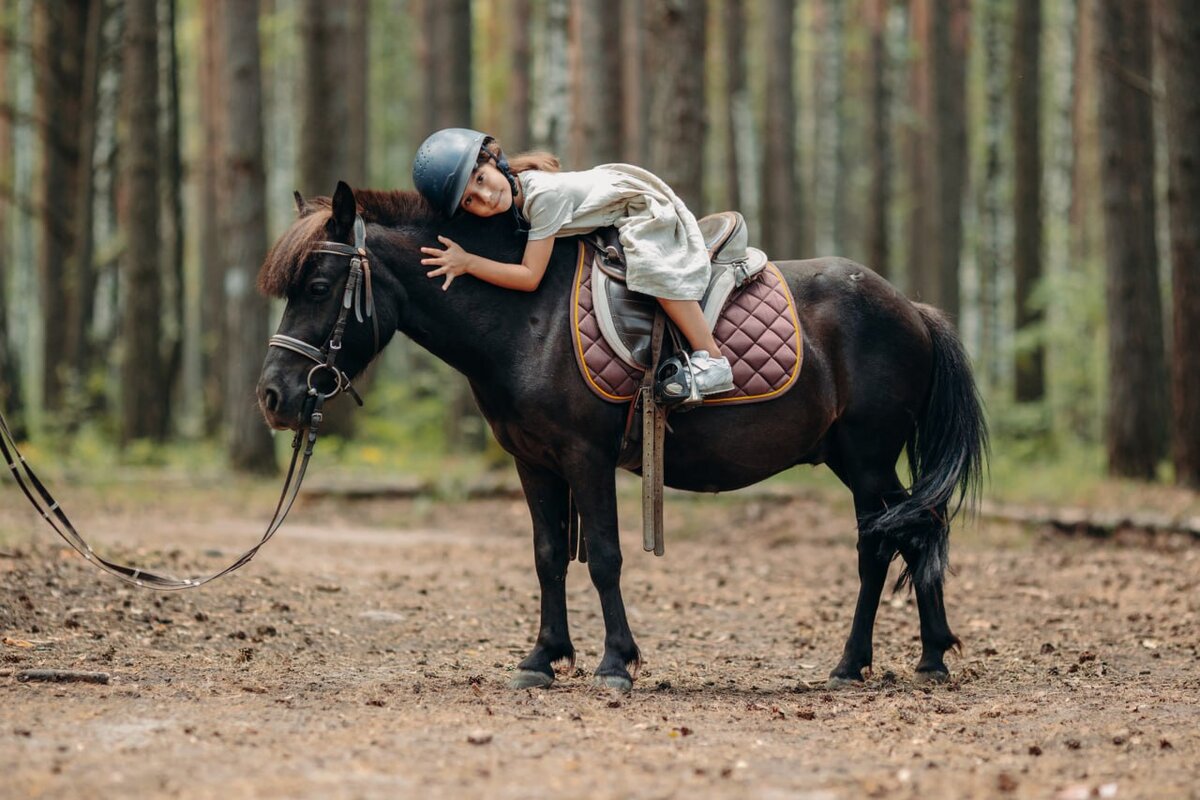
(283, 266)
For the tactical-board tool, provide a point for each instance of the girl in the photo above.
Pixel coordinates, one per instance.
(457, 169)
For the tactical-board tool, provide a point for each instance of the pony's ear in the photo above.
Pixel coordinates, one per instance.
(344, 211)
(299, 198)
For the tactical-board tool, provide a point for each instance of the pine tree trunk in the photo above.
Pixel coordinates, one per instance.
(733, 28)
(595, 62)
(210, 230)
(250, 445)
(552, 109)
(676, 96)
(519, 129)
(633, 114)
(60, 33)
(878, 139)
(950, 32)
(1027, 192)
(1137, 373)
(1178, 23)
(10, 381)
(79, 316)
(143, 388)
(332, 144)
(171, 185)
(938, 150)
(829, 145)
(992, 251)
(920, 252)
(781, 206)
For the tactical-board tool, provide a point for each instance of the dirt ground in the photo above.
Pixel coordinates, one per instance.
(365, 654)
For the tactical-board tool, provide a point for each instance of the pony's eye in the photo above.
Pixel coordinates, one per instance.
(318, 288)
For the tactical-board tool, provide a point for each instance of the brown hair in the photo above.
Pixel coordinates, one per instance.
(523, 162)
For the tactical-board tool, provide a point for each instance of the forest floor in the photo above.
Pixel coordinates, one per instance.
(365, 653)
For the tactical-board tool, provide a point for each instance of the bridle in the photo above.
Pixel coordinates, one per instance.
(358, 284)
(357, 295)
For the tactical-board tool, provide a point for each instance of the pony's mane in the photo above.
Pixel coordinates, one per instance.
(283, 265)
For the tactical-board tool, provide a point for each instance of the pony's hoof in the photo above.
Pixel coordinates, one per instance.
(930, 677)
(530, 679)
(836, 682)
(618, 683)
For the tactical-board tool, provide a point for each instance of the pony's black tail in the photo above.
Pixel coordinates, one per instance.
(947, 456)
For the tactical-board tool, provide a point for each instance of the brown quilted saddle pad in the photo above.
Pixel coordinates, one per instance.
(758, 330)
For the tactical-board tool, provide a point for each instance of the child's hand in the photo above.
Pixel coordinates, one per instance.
(451, 262)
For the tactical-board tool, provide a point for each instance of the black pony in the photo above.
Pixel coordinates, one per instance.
(880, 375)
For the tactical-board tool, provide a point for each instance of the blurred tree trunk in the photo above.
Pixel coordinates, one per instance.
(10, 374)
(595, 63)
(1178, 23)
(992, 221)
(79, 316)
(1086, 238)
(675, 79)
(453, 57)
(244, 176)
(733, 28)
(59, 42)
(332, 144)
(879, 138)
(830, 140)
(781, 204)
(171, 198)
(209, 231)
(938, 148)
(633, 114)
(333, 131)
(143, 389)
(552, 109)
(1027, 194)
(520, 107)
(1137, 402)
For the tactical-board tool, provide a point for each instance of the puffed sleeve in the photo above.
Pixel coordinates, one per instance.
(548, 208)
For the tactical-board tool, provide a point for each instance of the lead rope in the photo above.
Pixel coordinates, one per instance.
(55, 516)
(52, 512)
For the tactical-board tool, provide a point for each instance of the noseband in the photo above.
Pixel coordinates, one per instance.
(358, 284)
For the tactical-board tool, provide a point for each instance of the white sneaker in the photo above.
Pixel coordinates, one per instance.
(711, 375)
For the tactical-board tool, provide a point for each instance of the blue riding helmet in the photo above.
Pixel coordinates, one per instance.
(444, 164)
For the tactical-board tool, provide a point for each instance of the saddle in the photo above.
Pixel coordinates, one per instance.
(626, 317)
(748, 305)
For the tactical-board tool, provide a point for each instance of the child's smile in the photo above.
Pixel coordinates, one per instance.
(488, 192)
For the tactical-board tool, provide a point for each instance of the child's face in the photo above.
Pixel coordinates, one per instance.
(488, 192)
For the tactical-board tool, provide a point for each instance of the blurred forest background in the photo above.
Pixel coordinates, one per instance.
(1030, 166)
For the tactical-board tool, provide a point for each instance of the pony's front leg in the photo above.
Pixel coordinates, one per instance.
(596, 497)
(549, 506)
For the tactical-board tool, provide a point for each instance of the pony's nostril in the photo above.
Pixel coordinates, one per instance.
(271, 400)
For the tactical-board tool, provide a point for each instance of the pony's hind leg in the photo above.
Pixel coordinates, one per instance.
(548, 498)
(936, 636)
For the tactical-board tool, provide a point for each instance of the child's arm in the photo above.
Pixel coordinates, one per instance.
(454, 261)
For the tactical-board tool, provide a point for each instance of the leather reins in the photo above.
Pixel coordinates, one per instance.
(358, 284)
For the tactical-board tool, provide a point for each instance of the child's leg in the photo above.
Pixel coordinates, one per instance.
(711, 373)
(688, 317)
